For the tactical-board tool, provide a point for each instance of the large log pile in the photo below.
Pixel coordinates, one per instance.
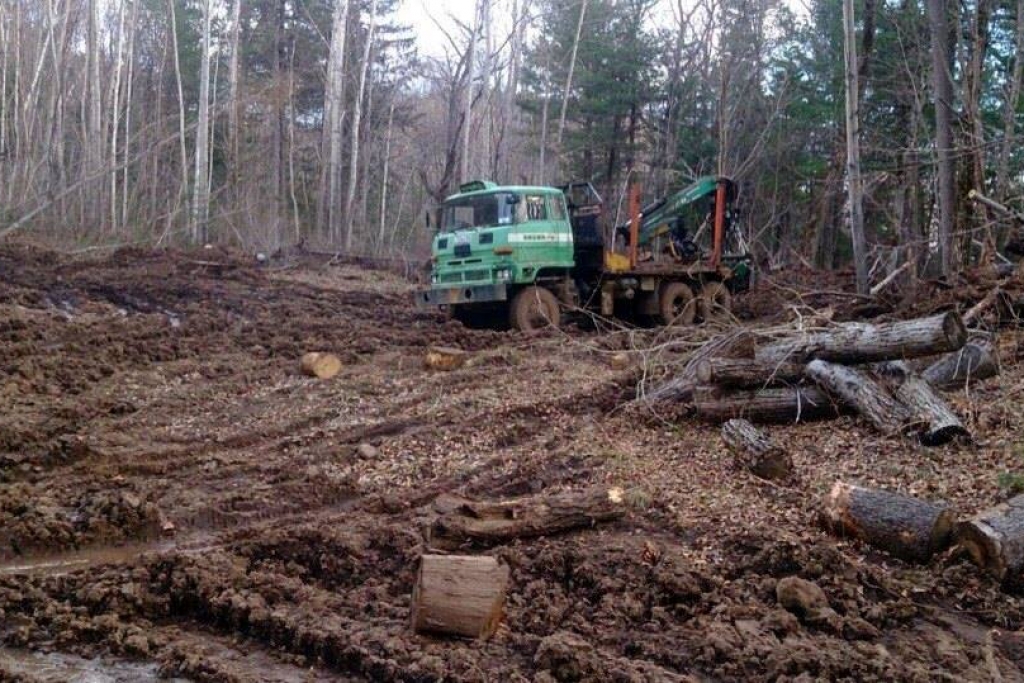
(850, 367)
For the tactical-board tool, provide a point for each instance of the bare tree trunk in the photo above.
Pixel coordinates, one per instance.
(467, 114)
(94, 141)
(855, 186)
(943, 89)
(334, 111)
(5, 48)
(520, 12)
(181, 111)
(1010, 110)
(542, 161)
(568, 78)
(357, 114)
(129, 91)
(972, 102)
(201, 187)
(233, 90)
(384, 179)
(115, 105)
(291, 144)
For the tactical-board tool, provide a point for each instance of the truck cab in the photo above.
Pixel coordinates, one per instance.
(493, 243)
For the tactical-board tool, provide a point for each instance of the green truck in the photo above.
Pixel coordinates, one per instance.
(524, 255)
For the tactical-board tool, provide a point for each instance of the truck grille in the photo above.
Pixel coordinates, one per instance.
(471, 275)
(450, 277)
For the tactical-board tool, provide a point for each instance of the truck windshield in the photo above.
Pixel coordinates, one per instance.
(479, 211)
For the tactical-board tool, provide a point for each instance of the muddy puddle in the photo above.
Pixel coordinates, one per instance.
(59, 667)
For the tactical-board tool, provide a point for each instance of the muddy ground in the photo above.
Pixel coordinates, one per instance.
(177, 501)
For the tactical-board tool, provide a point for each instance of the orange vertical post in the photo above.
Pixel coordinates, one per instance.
(634, 222)
(720, 199)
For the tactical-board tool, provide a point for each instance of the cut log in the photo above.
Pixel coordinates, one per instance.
(995, 541)
(972, 363)
(782, 405)
(444, 358)
(867, 343)
(861, 392)
(459, 595)
(747, 373)
(935, 421)
(755, 451)
(908, 528)
(321, 365)
(491, 523)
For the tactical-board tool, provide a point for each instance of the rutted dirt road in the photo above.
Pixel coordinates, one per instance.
(176, 500)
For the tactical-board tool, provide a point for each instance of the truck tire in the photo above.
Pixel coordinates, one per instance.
(676, 304)
(534, 308)
(715, 302)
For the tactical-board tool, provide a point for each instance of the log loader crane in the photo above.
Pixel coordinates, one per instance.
(525, 253)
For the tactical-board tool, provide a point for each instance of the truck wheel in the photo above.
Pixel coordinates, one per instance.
(715, 302)
(534, 308)
(676, 305)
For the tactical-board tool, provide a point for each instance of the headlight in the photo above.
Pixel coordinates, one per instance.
(433, 278)
(504, 275)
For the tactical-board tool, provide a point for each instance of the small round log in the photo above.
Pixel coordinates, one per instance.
(459, 595)
(995, 541)
(320, 365)
(444, 358)
(755, 451)
(905, 527)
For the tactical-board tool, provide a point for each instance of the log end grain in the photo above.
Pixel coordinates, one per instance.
(444, 358)
(954, 329)
(984, 545)
(320, 365)
(459, 595)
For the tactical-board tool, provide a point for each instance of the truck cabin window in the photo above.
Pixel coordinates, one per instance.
(534, 208)
(479, 211)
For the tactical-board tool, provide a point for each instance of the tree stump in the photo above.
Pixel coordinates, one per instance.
(858, 390)
(491, 523)
(866, 343)
(444, 358)
(320, 365)
(756, 451)
(905, 527)
(459, 595)
(746, 373)
(995, 541)
(780, 405)
(972, 363)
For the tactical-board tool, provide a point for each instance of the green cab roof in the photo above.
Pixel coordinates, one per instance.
(482, 187)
